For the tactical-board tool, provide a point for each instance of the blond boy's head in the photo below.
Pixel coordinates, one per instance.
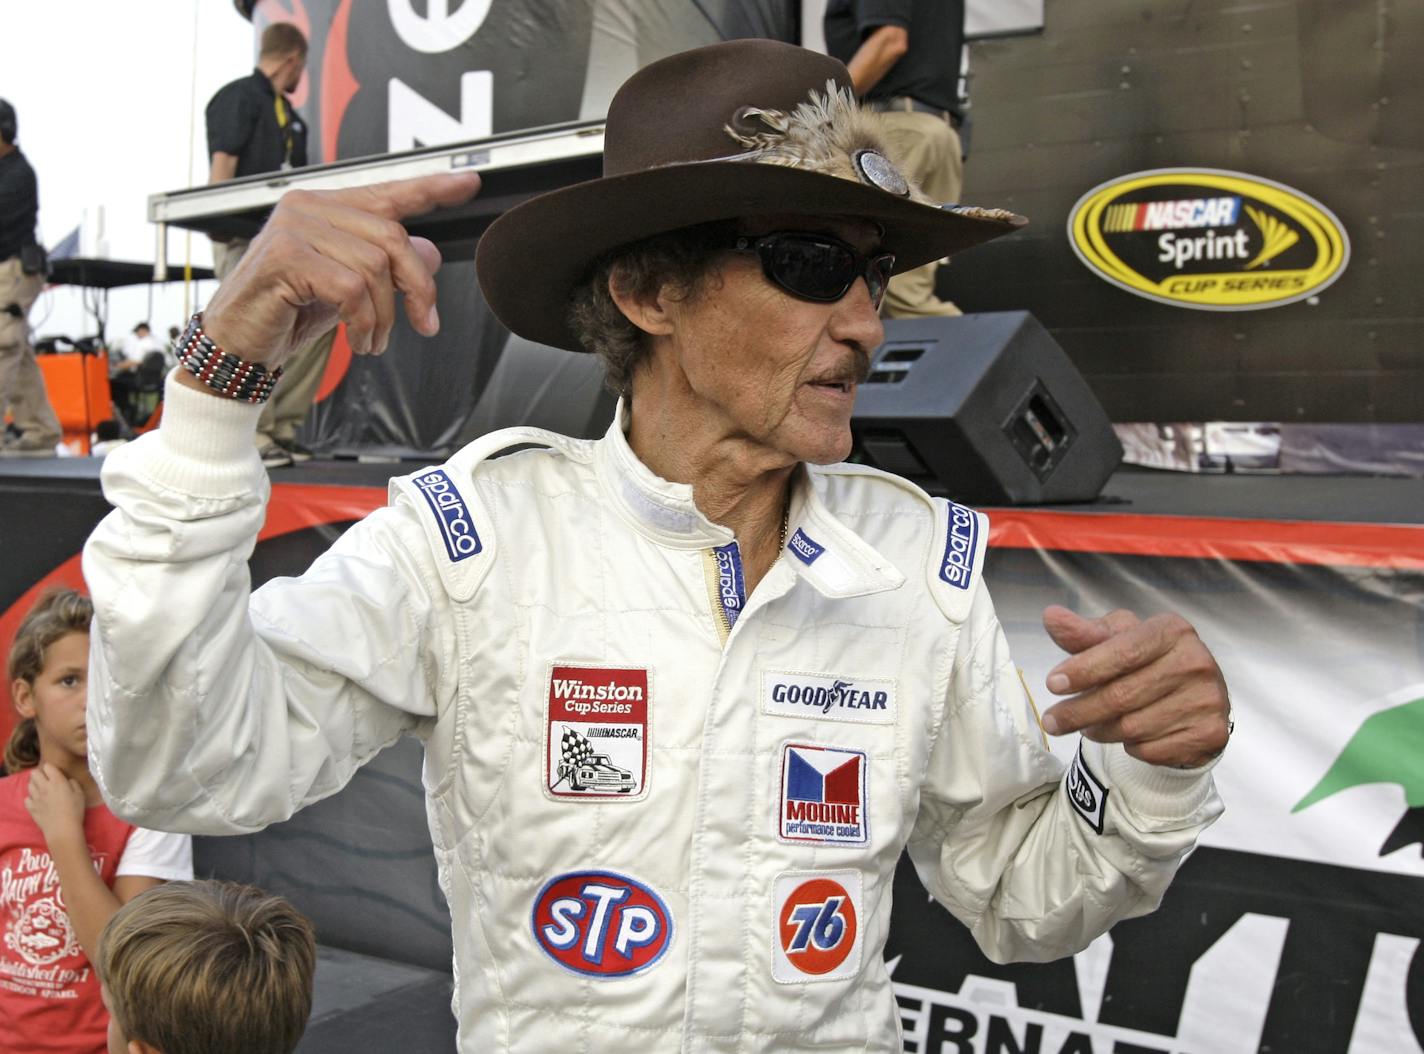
(207, 968)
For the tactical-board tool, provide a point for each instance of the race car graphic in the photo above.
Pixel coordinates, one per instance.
(587, 771)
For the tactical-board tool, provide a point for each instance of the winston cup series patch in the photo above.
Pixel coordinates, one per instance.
(1086, 793)
(596, 733)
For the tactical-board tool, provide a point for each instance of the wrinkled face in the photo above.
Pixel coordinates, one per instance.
(56, 699)
(774, 369)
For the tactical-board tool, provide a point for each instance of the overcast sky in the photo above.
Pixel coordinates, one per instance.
(110, 109)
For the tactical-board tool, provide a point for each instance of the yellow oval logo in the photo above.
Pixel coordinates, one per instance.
(1208, 239)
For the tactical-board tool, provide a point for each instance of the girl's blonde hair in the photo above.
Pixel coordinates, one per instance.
(57, 614)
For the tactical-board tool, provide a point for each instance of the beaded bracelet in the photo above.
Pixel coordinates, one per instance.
(225, 374)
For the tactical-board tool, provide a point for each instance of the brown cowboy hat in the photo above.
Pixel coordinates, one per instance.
(737, 129)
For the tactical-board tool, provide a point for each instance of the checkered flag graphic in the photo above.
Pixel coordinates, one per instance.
(574, 748)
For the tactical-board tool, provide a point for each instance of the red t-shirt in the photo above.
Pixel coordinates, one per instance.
(49, 995)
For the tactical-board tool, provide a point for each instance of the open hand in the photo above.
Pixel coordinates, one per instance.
(56, 802)
(329, 256)
(1152, 686)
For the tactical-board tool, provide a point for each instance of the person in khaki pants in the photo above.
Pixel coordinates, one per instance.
(22, 389)
(903, 57)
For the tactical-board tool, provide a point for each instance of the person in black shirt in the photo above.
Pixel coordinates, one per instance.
(253, 128)
(22, 277)
(903, 56)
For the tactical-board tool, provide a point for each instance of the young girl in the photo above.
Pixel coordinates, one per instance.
(66, 862)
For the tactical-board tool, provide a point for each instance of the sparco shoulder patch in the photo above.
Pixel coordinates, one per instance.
(452, 515)
(1086, 793)
(960, 546)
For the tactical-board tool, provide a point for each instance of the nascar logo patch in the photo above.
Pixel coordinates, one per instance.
(596, 733)
(601, 924)
(457, 527)
(823, 796)
(1086, 793)
(817, 926)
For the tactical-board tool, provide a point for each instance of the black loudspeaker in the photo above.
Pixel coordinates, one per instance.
(985, 409)
(534, 384)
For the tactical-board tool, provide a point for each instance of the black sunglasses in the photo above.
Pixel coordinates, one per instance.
(817, 266)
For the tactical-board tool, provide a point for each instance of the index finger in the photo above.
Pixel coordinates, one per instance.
(410, 197)
(1130, 649)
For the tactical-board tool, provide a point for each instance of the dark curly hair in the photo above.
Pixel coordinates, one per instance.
(683, 259)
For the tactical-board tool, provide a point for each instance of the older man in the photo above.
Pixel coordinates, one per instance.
(685, 695)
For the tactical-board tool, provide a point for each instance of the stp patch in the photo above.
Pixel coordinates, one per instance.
(601, 924)
(817, 926)
(1086, 793)
(823, 796)
(596, 733)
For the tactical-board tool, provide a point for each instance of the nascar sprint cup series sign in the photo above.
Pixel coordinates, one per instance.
(1208, 239)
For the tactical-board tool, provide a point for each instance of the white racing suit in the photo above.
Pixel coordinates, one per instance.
(666, 814)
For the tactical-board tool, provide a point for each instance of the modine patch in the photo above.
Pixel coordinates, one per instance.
(960, 546)
(823, 696)
(601, 924)
(823, 796)
(1086, 792)
(457, 527)
(817, 926)
(596, 733)
(803, 548)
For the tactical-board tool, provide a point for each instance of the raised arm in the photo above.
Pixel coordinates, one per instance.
(210, 711)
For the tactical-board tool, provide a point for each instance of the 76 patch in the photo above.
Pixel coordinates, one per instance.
(818, 926)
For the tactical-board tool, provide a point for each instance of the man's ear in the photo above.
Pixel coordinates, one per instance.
(24, 696)
(138, 1046)
(646, 310)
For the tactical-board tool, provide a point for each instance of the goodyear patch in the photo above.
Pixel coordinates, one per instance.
(1208, 239)
(452, 515)
(825, 696)
(818, 926)
(803, 548)
(960, 545)
(1086, 793)
(601, 923)
(823, 796)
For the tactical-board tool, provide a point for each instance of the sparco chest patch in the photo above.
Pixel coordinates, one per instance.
(828, 697)
(457, 528)
(1086, 792)
(601, 924)
(596, 733)
(823, 796)
(817, 926)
